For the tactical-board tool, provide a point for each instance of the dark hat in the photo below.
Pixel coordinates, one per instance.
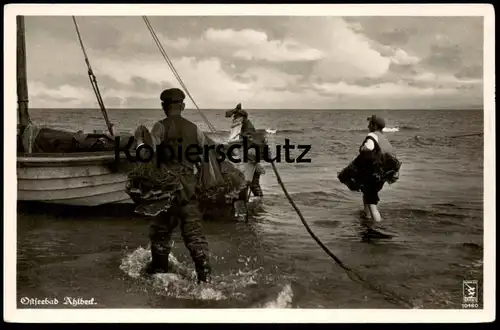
(238, 106)
(377, 120)
(172, 95)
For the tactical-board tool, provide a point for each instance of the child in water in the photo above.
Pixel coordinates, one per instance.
(375, 165)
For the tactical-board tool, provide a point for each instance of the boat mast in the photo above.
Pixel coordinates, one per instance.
(22, 83)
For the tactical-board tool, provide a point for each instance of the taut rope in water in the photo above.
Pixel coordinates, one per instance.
(353, 275)
(93, 81)
(174, 71)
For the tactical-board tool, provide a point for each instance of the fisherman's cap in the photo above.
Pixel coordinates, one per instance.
(377, 120)
(172, 95)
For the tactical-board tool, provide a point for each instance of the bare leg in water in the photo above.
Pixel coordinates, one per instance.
(372, 214)
(370, 200)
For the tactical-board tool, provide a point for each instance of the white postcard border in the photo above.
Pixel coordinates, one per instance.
(12, 314)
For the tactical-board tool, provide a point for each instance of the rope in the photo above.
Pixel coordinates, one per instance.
(174, 71)
(93, 81)
(353, 275)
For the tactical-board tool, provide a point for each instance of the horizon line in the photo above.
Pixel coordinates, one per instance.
(278, 109)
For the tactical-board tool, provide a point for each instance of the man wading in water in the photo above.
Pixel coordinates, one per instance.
(247, 128)
(184, 176)
(375, 165)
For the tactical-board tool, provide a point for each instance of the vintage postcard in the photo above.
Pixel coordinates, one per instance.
(292, 163)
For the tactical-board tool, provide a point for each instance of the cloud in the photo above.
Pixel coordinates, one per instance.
(246, 44)
(205, 79)
(287, 62)
(398, 56)
(263, 78)
(349, 54)
(62, 96)
(383, 89)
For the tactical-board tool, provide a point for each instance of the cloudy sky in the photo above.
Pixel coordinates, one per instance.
(262, 62)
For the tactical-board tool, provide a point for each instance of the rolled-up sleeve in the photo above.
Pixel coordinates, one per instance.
(369, 144)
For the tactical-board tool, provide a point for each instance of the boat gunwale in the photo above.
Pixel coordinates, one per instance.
(72, 159)
(123, 180)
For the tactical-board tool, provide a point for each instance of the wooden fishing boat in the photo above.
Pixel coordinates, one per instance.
(73, 178)
(85, 179)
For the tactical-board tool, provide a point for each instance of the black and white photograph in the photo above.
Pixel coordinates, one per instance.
(321, 160)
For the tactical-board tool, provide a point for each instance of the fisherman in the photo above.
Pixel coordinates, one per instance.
(375, 165)
(247, 129)
(184, 209)
(239, 114)
(376, 147)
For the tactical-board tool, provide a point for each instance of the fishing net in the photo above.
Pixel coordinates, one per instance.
(149, 178)
(370, 168)
(227, 191)
(154, 186)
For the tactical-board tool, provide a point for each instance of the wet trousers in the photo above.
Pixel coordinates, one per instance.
(255, 185)
(189, 217)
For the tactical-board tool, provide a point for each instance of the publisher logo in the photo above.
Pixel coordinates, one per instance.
(470, 291)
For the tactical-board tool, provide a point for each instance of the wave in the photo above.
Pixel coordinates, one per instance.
(434, 142)
(388, 129)
(268, 130)
(312, 198)
(318, 128)
(449, 217)
(441, 144)
(281, 131)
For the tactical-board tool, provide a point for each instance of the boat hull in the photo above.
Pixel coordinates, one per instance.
(80, 179)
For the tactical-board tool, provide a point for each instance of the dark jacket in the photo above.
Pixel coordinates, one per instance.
(175, 131)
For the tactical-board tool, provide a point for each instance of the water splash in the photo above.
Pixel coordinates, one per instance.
(284, 299)
(390, 129)
(181, 281)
